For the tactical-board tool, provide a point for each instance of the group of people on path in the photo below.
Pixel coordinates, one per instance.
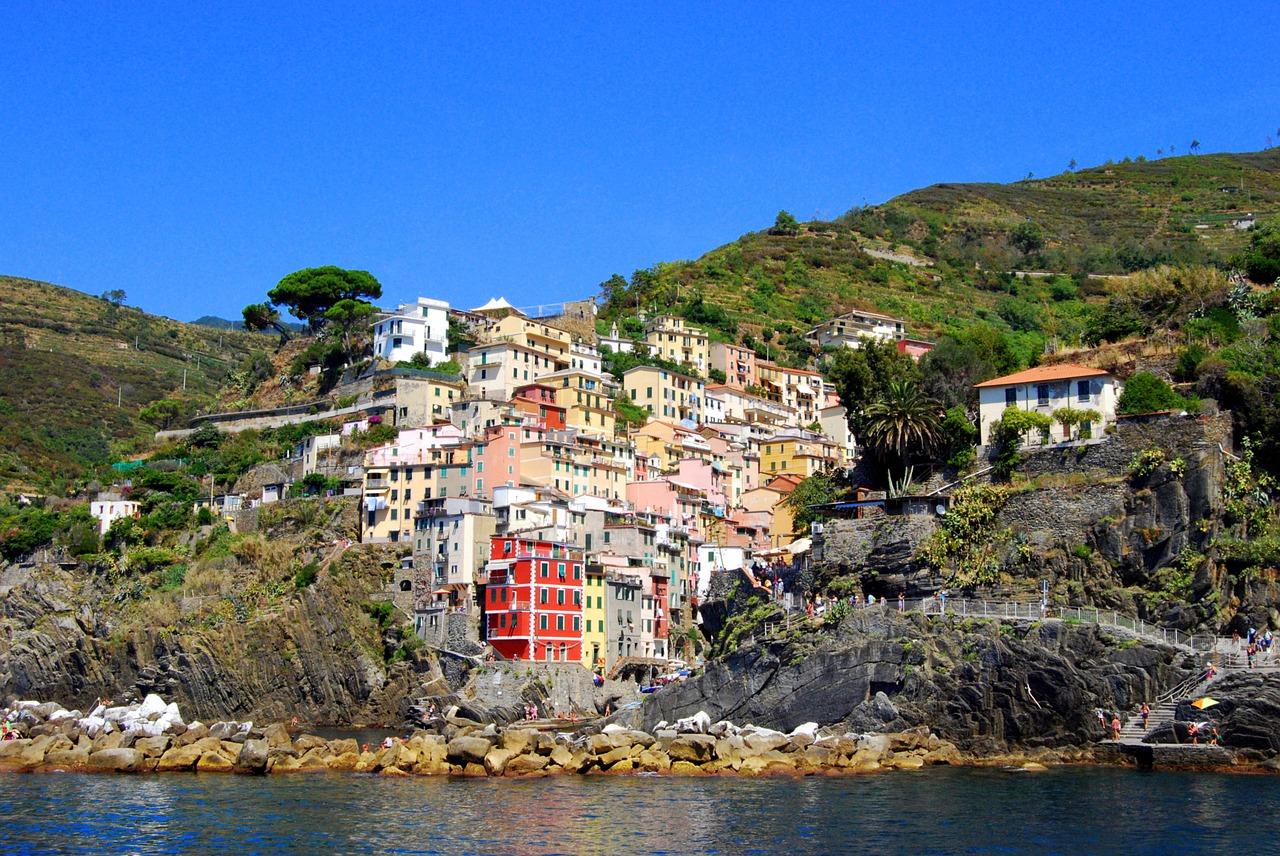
(1258, 645)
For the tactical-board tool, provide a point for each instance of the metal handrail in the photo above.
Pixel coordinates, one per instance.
(965, 607)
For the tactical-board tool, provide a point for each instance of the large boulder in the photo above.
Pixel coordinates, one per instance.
(118, 760)
(71, 758)
(253, 757)
(276, 735)
(152, 747)
(468, 750)
(695, 748)
(522, 765)
(496, 761)
(214, 762)
(179, 759)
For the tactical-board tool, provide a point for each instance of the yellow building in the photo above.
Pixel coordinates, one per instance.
(595, 640)
(407, 477)
(424, 397)
(668, 395)
(669, 337)
(520, 330)
(800, 390)
(766, 505)
(797, 452)
(585, 399)
(578, 465)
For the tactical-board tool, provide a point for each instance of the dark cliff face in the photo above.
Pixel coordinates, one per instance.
(316, 654)
(1102, 536)
(986, 686)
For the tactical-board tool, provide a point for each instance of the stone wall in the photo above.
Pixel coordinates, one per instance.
(1178, 436)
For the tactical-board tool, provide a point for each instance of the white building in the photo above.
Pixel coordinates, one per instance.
(1046, 389)
(414, 328)
(109, 511)
(853, 328)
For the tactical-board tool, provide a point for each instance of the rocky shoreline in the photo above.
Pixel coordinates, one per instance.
(151, 738)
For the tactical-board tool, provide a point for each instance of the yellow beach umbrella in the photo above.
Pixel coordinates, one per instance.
(1202, 703)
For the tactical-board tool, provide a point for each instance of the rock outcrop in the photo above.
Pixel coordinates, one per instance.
(316, 655)
(986, 686)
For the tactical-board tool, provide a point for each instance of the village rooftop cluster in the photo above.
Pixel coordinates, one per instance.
(561, 535)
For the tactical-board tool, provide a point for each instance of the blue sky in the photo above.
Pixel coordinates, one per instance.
(194, 154)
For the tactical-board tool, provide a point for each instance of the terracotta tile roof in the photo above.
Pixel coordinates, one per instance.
(1066, 371)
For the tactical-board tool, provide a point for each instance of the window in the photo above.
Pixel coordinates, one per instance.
(577, 598)
(560, 597)
(542, 622)
(542, 597)
(560, 623)
(1010, 397)
(1082, 390)
(1042, 395)
(502, 620)
(577, 623)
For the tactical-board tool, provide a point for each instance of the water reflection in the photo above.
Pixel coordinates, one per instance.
(933, 811)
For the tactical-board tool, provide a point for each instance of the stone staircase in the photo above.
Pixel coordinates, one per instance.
(1161, 714)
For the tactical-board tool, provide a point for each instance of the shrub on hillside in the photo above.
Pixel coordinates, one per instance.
(1146, 393)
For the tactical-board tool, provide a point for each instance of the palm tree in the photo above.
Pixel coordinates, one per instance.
(903, 422)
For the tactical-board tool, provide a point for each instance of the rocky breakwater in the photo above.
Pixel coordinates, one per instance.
(151, 737)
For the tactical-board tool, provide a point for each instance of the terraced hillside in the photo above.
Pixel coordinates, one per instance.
(76, 370)
(944, 257)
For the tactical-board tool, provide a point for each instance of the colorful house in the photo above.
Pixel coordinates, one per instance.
(533, 600)
(1047, 390)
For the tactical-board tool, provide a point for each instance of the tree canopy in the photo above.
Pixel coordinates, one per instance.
(1146, 393)
(864, 375)
(259, 317)
(310, 293)
(903, 422)
(1262, 259)
(347, 314)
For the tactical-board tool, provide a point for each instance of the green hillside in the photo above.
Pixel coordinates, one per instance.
(942, 257)
(76, 370)
(1114, 218)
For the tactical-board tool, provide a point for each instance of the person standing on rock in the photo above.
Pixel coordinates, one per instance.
(1115, 725)
(902, 602)
(1145, 712)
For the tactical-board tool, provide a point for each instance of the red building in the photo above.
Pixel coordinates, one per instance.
(539, 401)
(533, 602)
(914, 348)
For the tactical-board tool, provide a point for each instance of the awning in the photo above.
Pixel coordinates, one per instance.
(800, 545)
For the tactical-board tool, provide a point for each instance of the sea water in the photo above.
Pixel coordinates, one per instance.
(939, 810)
